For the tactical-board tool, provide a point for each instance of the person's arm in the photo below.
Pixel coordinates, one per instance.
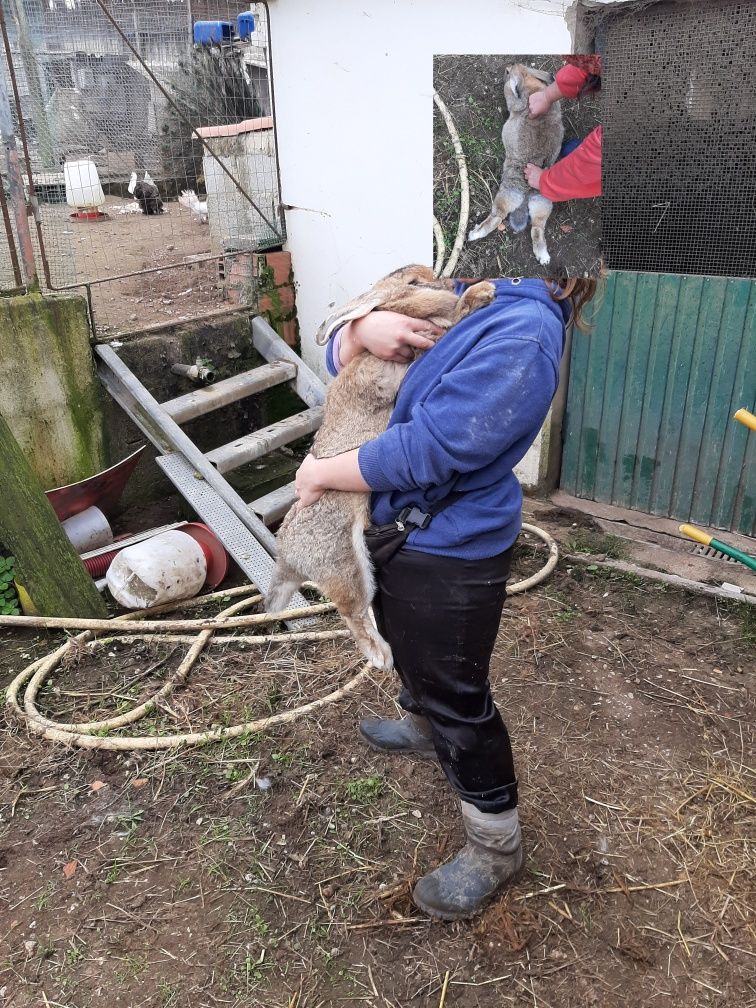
(568, 83)
(577, 176)
(340, 472)
(385, 334)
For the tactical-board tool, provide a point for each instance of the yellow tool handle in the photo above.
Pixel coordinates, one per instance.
(696, 534)
(746, 418)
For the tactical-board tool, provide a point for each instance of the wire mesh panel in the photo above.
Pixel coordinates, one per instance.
(680, 137)
(128, 106)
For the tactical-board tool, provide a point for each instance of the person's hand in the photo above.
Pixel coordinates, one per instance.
(539, 104)
(388, 335)
(307, 484)
(533, 175)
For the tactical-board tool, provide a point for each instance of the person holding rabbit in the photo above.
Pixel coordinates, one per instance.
(577, 174)
(466, 413)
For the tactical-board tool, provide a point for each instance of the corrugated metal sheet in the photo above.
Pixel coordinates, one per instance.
(652, 391)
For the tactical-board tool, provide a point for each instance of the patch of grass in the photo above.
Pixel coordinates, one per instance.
(748, 623)
(364, 789)
(45, 896)
(133, 966)
(609, 546)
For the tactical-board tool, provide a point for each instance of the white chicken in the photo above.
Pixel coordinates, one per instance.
(191, 201)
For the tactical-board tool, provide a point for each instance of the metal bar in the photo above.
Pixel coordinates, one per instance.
(185, 119)
(207, 316)
(16, 196)
(10, 236)
(272, 96)
(258, 443)
(274, 505)
(166, 435)
(195, 260)
(25, 147)
(269, 345)
(200, 401)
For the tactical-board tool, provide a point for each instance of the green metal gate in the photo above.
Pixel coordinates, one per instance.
(653, 387)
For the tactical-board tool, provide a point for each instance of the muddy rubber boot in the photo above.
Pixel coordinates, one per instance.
(410, 734)
(491, 857)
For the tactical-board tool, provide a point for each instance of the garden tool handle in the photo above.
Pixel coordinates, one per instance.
(745, 417)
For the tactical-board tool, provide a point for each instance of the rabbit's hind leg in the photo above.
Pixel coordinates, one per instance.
(540, 209)
(352, 592)
(505, 201)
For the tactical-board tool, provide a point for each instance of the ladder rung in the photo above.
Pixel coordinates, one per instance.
(230, 390)
(253, 446)
(275, 504)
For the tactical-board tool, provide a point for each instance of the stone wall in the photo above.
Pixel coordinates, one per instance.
(49, 393)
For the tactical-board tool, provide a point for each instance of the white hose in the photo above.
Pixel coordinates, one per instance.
(464, 199)
(92, 734)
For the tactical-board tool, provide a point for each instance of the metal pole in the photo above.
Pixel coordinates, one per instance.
(16, 188)
(25, 146)
(9, 235)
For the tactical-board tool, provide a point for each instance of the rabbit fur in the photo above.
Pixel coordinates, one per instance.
(324, 543)
(535, 141)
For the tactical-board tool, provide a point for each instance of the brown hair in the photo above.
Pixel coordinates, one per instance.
(579, 291)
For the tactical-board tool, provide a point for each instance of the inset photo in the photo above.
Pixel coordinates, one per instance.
(517, 165)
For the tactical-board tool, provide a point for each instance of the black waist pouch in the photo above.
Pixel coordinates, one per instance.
(384, 541)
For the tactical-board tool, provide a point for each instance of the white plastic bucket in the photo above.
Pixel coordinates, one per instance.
(168, 567)
(88, 530)
(83, 189)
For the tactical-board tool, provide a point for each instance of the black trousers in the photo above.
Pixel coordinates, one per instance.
(441, 615)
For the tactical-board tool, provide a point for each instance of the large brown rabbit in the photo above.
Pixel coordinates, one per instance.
(537, 141)
(324, 543)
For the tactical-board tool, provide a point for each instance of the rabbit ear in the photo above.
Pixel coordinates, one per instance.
(358, 308)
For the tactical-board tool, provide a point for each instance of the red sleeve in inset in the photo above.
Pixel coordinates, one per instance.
(578, 175)
(570, 80)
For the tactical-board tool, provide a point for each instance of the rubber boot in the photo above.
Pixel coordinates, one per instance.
(410, 734)
(491, 857)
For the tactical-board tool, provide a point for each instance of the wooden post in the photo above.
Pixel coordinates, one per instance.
(47, 564)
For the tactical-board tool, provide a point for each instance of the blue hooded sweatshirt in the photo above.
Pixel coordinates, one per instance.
(467, 412)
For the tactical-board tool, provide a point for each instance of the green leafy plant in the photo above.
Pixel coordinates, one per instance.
(9, 603)
(364, 789)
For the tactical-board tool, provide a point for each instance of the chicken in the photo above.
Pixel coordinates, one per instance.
(146, 193)
(191, 201)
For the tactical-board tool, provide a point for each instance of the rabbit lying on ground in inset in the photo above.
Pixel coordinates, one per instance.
(536, 141)
(324, 543)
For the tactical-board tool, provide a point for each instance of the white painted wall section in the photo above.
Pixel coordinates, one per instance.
(353, 108)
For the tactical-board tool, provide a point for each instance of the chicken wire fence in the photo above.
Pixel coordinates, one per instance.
(150, 134)
(679, 158)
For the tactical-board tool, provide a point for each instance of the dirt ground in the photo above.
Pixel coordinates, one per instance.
(125, 242)
(471, 88)
(275, 870)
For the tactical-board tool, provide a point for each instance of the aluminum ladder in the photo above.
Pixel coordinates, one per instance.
(241, 527)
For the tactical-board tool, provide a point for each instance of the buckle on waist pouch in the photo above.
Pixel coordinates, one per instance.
(412, 516)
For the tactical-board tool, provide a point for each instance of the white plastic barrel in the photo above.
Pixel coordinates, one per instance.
(83, 189)
(168, 567)
(88, 530)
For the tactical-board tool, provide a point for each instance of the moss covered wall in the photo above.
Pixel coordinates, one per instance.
(49, 393)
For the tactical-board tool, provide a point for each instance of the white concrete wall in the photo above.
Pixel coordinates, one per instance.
(353, 107)
(354, 113)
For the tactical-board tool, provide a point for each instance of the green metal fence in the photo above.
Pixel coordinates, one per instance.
(652, 391)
